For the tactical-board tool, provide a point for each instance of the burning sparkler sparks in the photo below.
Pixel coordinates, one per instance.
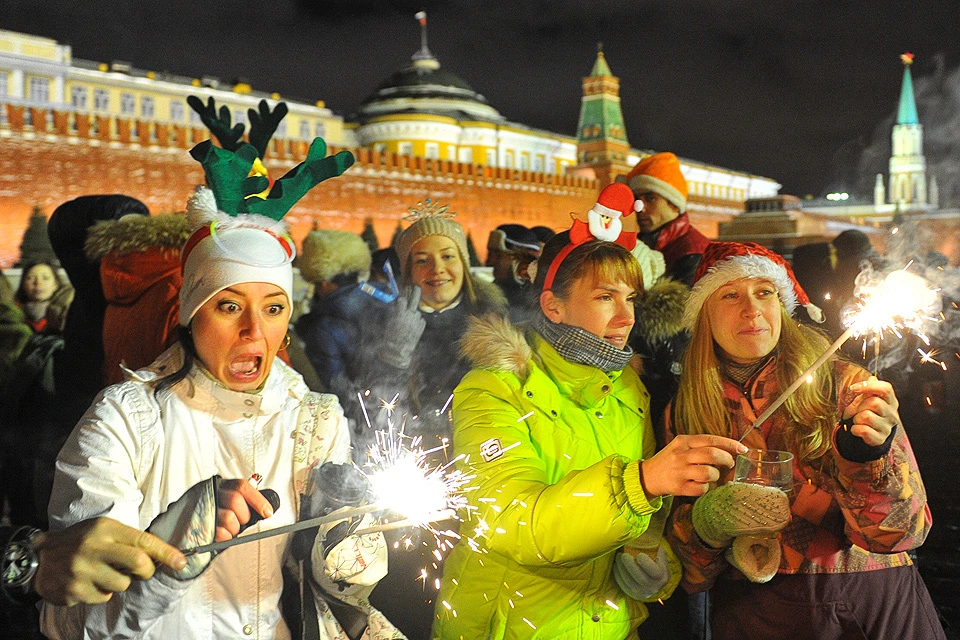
(896, 302)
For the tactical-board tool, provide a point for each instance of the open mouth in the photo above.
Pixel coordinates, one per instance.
(245, 366)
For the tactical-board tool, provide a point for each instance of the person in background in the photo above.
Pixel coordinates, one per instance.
(417, 360)
(828, 272)
(510, 250)
(139, 258)
(828, 555)
(557, 430)
(344, 314)
(78, 369)
(543, 234)
(44, 298)
(664, 223)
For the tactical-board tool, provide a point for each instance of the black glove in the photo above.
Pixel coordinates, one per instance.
(403, 330)
(329, 487)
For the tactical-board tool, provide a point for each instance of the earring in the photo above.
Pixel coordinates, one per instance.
(286, 342)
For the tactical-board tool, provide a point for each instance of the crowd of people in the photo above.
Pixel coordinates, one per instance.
(597, 384)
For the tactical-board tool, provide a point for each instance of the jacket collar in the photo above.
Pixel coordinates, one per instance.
(198, 386)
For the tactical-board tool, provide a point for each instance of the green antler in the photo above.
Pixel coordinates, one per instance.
(263, 124)
(235, 172)
(230, 138)
(298, 181)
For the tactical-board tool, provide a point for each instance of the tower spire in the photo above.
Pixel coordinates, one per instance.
(907, 114)
(424, 52)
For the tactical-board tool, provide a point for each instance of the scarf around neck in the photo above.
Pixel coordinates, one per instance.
(582, 347)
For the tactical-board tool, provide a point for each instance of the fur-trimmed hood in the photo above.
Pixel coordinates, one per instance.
(139, 233)
(493, 342)
(660, 311)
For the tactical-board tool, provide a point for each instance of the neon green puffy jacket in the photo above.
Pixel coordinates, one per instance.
(554, 447)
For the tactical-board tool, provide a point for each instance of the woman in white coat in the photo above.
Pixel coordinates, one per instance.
(211, 413)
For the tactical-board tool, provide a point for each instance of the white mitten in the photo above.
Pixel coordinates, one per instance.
(740, 509)
(756, 558)
(353, 563)
(641, 574)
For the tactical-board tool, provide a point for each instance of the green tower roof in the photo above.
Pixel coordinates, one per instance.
(907, 113)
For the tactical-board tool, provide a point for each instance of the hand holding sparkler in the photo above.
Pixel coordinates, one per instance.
(897, 302)
(873, 410)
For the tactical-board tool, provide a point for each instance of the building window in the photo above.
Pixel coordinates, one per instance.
(240, 116)
(176, 111)
(78, 97)
(433, 150)
(405, 148)
(3, 85)
(101, 99)
(492, 157)
(379, 147)
(320, 130)
(195, 118)
(128, 104)
(304, 130)
(39, 89)
(466, 154)
(451, 152)
(551, 165)
(508, 159)
(524, 162)
(538, 164)
(146, 107)
(281, 130)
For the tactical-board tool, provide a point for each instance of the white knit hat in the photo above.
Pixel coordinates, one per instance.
(228, 250)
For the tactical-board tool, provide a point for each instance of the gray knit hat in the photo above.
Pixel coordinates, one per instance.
(430, 219)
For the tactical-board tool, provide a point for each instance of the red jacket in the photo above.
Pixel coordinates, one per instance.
(676, 240)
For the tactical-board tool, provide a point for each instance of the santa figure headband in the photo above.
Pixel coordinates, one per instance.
(604, 222)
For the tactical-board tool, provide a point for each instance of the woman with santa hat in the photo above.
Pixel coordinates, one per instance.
(826, 555)
(555, 427)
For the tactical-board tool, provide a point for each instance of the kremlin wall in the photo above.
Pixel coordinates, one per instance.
(75, 157)
(74, 127)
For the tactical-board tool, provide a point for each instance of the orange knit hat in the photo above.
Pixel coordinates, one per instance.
(660, 173)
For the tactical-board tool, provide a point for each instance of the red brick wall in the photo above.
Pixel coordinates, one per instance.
(48, 165)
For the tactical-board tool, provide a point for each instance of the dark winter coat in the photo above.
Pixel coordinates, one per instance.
(336, 329)
(660, 339)
(140, 270)
(681, 245)
(78, 368)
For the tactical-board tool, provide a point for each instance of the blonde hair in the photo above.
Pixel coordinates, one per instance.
(700, 407)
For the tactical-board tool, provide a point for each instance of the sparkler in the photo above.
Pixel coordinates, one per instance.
(402, 481)
(898, 302)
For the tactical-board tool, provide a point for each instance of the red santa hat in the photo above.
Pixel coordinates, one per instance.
(725, 262)
(616, 200)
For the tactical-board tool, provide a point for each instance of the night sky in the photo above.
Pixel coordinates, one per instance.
(801, 92)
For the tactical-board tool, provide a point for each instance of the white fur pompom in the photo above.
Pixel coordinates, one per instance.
(201, 207)
(202, 210)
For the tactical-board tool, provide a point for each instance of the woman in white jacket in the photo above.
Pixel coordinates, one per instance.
(218, 405)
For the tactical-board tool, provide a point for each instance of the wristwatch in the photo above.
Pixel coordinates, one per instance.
(19, 564)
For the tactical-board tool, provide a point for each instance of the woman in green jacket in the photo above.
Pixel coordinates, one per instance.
(555, 427)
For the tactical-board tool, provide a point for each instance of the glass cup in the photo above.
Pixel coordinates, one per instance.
(768, 467)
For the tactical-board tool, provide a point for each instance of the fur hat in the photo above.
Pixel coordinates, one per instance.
(660, 173)
(430, 219)
(228, 250)
(328, 253)
(725, 262)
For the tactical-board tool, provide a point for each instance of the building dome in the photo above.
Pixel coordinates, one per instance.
(423, 87)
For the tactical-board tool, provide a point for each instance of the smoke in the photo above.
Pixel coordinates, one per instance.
(938, 105)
